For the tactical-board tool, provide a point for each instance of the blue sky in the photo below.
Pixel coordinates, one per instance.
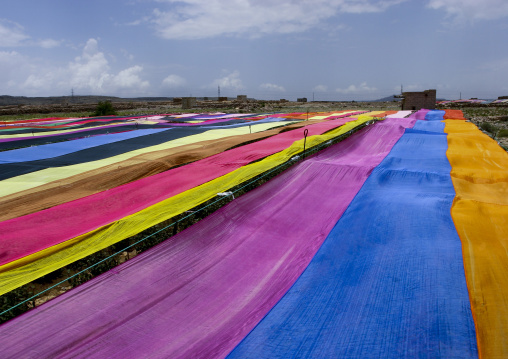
(266, 49)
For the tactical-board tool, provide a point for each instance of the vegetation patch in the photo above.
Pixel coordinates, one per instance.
(104, 108)
(503, 133)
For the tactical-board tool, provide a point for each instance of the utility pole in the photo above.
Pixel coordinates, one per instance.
(218, 92)
(72, 95)
(401, 89)
(460, 96)
(313, 97)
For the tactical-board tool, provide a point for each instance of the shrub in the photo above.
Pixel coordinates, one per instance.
(503, 133)
(486, 126)
(104, 108)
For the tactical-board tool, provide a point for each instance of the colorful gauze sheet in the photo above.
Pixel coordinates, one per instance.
(197, 294)
(28, 252)
(109, 149)
(12, 143)
(30, 193)
(389, 244)
(127, 149)
(113, 175)
(63, 148)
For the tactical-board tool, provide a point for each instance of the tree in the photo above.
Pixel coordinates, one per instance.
(104, 108)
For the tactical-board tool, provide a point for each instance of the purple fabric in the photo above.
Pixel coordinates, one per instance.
(201, 292)
(222, 115)
(419, 115)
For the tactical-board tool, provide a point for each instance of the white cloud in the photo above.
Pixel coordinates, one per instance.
(89, 73)
(11, 34)
(127, 55)
(362, 6)
(174, 82)
(129, 78)
(320, 88)
(196, 19)
(9, 58)
(230, 81)
(472, 9)
(49, 43)
(272, 87)
(362, 88)
(90, 70)
(14, 71)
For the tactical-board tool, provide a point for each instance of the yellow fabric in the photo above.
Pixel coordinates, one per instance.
(480, 213)
(25, 270)
(330, 114)
(185, 115)
(39, 178)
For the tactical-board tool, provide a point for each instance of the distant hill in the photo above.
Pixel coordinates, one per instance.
(393, 98)
(387, 99)
(58, 100)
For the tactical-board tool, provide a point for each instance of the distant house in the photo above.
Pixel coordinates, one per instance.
(188, 102)
(418, 100)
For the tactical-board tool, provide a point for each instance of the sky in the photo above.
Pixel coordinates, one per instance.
(266, 49)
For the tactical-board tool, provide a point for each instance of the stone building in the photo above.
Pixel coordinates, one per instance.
(418, 100)
(188, 102)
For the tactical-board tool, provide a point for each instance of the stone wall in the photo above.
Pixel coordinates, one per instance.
(418, 100)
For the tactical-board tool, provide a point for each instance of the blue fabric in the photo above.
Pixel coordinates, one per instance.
(435, 115)
(62, 148)
(388, 282)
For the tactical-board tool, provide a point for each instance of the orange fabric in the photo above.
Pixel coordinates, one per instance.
(453, 115)
(386, 113)
(480, 213)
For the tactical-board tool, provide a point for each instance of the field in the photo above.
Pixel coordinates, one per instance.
(255, 229)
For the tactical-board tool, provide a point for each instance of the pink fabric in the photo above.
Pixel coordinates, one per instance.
(419, 115)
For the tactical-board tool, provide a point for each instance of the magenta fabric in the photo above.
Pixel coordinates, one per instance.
(419, 115)
(28, 234)
(200, 293)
